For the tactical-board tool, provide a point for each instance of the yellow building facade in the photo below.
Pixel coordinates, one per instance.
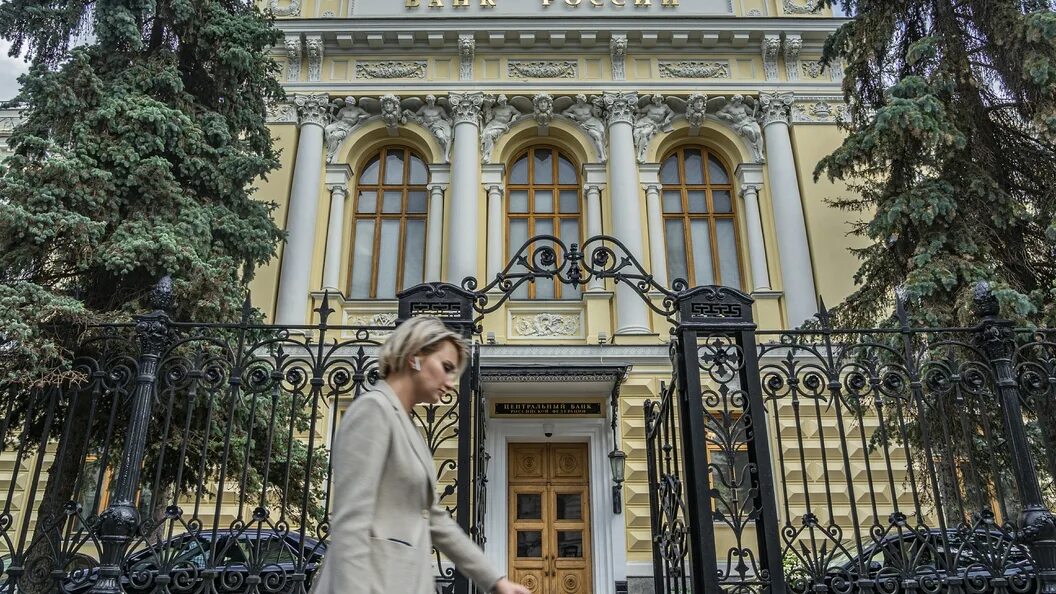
(427, 140)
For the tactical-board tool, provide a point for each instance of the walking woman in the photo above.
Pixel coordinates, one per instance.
(385, 518)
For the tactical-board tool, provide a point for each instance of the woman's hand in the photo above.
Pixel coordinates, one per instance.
(505, 586)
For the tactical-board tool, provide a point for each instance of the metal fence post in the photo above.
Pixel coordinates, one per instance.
(1037, 529)
(120, 521)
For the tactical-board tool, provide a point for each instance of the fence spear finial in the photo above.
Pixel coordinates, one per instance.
(986, 305)
(162, 296)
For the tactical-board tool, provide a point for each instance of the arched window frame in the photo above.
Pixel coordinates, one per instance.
(709, 188)
(556, 218)
(412, 214)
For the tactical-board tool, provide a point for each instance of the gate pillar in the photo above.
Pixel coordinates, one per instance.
(454, 306)
(722, 405)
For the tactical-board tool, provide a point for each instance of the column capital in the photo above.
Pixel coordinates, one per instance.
(620, 107)
(776, 107)
(652, 186)
(312, 109)
(335, 189)
(750, 190)
(466, 107)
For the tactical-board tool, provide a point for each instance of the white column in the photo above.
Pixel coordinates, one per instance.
(439, 176)
(797, 272)
(594, 175)
(750, 178)
(295, 274)
(492, 177)
(632, 314)
(592, 192)
(650, 174)
(335, 232)
(465, 169)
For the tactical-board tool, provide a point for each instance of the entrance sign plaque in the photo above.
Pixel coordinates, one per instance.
(571, 409)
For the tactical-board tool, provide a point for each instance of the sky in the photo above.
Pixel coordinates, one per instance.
(10, 69)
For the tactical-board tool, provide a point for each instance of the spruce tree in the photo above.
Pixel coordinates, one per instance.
(950, 155)
(951, 162)
(134, 159)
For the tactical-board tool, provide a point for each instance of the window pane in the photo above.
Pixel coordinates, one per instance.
(519, 173)
(569, 506)
(529, 506)
(416, 201)
(391, 202)
(518, 235)
(697, 201)
(716, 172)
(700, 235)
(419, 172)
(388, 252)
(669, 172)
(362, 259)
(569, 201)
(676, 250)
(570, 544)
(394, 167)
(368, 201)
(544, 201)
(518, 201)
(529, 543)
(566, 171)
(414, 253)
(694, 167)
(370, 172)
(722, 201)
(544, 167)
(673, 201)
(544, 288)
(570, 234)
(724, 233)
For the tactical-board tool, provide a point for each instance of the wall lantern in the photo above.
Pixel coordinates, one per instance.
(618, 462)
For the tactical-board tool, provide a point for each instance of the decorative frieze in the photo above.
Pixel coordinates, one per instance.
(771, 48)
(818, 110)
(279, 113)
(467, 49)
(381, 319)
(688, 69)
(390, 70)
(293, 57)
(801, 6)
(618, 53)
(314, 47)
(542, 69)
(546, 325)
(291, 9)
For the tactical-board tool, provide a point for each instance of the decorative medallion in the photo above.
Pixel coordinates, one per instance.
(378, 319)
(277, 113)
(291, 9)
(684, 69)
(539, 69)
(391, 69)
(546, 325)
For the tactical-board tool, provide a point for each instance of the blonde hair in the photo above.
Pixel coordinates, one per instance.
(423, 335)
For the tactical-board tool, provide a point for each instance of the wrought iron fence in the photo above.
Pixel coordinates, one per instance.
(841, 460)
(193, 458)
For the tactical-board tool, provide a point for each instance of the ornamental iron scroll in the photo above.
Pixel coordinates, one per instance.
(547, 257)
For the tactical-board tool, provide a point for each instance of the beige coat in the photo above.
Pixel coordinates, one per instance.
(385, 519)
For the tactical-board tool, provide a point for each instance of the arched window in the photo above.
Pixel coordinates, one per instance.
(543, 199)
(700, 226)
(388, 241)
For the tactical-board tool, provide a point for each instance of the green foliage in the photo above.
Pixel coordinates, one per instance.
(135, 159)
(949, 155)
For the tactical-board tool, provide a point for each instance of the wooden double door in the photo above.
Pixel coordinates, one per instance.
(549, 517)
